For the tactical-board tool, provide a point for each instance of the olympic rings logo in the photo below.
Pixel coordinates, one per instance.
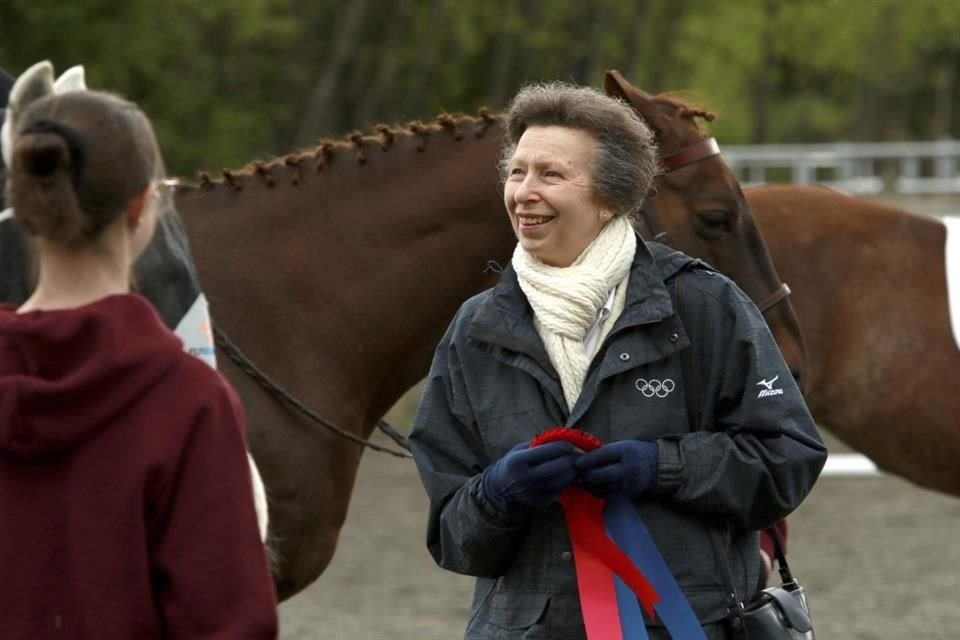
(654, 387)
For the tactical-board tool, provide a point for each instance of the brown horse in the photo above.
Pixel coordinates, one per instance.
(336, 271)
(870, 291)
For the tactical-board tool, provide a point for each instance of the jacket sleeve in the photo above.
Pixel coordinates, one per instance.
(757, 453)
(465, 533)
(209, 565)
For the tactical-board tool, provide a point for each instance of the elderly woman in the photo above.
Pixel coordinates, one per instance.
(583, 331)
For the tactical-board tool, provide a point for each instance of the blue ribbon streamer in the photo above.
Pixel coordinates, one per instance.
(629, 533)
(631, 616)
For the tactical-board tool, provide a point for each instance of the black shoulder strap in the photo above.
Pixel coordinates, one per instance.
(691, 393)
(786, 576)
(688, 372)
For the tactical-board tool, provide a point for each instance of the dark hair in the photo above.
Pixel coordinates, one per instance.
(626, 154)
(79, 158)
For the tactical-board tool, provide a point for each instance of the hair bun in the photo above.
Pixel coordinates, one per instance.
(79, 160)
(43, 156)
(56, 146)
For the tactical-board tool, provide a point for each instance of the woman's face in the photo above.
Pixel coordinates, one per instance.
(549, 194)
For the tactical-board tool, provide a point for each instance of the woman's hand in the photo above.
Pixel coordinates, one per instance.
(530, 477)
(628, 467)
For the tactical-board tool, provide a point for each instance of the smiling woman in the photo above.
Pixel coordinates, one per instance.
(584, 311)
(549, 196)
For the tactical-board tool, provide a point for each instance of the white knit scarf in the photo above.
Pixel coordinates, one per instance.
(566, 300)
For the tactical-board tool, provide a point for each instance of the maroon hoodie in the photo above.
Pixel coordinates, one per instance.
(126, 509)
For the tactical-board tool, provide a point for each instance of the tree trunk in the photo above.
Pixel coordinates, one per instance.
(379, 90)
(500, 85)
(760, 94)
(423, 70)
(317, 119)
(942, 123)
(604, 21)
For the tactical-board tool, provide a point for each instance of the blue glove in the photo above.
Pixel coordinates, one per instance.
(530, 477)
(628, 467)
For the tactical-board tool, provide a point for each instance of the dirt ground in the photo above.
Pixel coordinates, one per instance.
(879, 558)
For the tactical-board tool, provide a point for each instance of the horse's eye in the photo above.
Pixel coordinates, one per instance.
(714, 223)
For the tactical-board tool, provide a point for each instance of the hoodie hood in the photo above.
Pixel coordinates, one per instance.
(66, 374)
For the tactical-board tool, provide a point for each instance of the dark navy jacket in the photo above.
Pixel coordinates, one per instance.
(752, 461)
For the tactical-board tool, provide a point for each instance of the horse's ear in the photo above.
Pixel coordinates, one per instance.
(72, 79)
(34, 83)
(615, 85)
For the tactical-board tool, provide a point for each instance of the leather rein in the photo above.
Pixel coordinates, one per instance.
(654, 229)
(248, 367)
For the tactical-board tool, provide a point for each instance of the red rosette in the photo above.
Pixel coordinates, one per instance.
(580, 439)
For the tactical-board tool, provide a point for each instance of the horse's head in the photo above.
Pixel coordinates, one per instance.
(31, 85)
(697, 202)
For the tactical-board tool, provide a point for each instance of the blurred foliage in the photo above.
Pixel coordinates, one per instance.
(228, 81)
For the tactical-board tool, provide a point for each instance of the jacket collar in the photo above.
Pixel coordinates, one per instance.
(505, 317)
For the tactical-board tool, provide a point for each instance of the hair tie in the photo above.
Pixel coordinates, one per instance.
(75, 143)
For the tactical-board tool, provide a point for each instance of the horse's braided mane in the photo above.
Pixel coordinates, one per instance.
(318, 158)
(685, 109)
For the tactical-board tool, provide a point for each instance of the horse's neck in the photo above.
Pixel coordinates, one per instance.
(347, 281)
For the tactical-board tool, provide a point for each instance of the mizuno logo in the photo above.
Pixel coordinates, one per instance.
(768, 389)
(768, 385)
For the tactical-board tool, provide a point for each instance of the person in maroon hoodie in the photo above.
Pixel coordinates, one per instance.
(125, 494)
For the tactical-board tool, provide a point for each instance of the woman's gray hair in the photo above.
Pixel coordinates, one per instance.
(626, 154)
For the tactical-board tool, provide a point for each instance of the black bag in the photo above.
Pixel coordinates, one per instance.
(776, 613)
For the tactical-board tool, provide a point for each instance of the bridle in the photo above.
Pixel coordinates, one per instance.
(649, 219)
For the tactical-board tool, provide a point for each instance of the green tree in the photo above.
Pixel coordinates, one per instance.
(229, 81)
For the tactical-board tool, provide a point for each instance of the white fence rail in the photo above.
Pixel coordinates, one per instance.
(862, 168)
(849, 464)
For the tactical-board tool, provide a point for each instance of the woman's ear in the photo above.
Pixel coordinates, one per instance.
(136, 208)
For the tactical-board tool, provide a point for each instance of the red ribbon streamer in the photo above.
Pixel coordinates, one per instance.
(584, 514)
(598, 593)
(591, 545)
